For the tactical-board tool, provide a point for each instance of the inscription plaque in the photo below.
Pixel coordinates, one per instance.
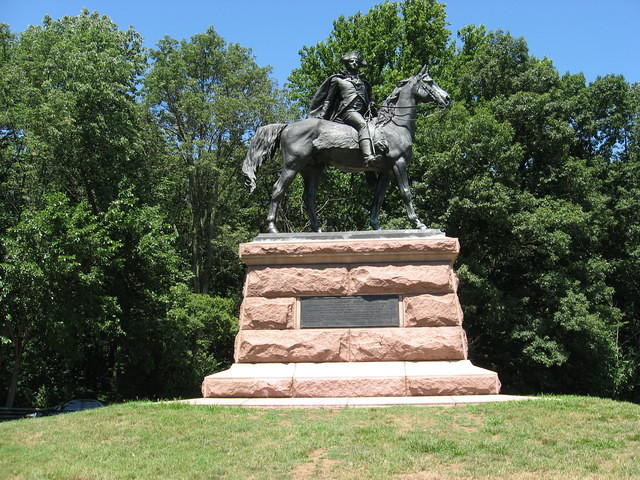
(347, 312)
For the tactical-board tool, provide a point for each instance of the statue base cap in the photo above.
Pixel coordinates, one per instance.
(359, 235)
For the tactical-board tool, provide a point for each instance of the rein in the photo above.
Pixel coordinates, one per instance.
(395, 115)
(393, 112)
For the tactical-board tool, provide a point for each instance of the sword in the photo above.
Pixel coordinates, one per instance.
(367, 118)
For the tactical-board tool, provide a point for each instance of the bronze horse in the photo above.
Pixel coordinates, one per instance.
(311, 144)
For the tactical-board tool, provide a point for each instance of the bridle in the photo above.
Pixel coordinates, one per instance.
(393, 109)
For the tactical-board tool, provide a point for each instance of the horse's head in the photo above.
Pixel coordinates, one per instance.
(428, 91)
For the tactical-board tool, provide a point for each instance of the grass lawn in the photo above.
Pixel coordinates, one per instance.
(550, 438)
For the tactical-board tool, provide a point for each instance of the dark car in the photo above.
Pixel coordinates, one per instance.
(67, 407)
(76, 406)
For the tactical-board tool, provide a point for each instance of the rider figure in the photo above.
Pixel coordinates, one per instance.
(346, 97)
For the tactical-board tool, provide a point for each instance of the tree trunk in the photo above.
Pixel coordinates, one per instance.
(15, 374)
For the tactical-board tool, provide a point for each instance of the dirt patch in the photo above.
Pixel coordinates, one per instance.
(317, 467)
(468, 423)
(410, 423)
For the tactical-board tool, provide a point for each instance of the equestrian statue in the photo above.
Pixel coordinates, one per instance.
(341, 131)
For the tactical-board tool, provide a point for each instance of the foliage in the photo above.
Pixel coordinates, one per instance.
(203, 329)
(54, 256)
(87, 274)
(206, 97)
(74, 82)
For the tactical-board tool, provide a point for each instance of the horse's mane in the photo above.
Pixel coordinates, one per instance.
(387, 109)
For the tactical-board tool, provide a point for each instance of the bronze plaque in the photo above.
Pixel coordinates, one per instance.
(348, 312)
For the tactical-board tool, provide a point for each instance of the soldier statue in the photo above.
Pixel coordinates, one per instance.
(310, 145)
(346, 98)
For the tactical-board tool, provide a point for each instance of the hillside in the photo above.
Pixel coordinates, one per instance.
(553, 437)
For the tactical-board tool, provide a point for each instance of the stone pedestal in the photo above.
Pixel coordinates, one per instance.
(421, 352)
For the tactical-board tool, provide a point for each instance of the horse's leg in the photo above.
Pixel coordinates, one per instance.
(285, 178)
(380, 189)
(400, 172)
(311, 177)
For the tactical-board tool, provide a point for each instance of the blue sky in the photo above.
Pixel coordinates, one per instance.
(595, 37)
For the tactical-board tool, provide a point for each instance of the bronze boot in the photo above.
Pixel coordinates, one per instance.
(366, 147)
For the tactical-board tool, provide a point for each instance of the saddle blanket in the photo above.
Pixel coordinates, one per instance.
(338, 135)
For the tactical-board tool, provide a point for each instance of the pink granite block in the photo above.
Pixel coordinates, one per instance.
(432, 310)
(247, 387)
(259, 313)
(311, 345)
(366, 379)
(250, 380)
(350, 387)
(289, 281)
(408, 344)
(401, 279)
(482, 384)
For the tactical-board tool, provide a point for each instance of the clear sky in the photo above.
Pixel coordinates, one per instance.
(595, 37)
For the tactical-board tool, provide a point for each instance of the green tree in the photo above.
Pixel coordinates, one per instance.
(145, 267)
(396, 38)
(73, 125)
(207, 96)
(201, 341)
(11, 137)
(74, 88)
(55, 256)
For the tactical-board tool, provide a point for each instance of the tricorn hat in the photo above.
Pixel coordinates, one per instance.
(361, 61)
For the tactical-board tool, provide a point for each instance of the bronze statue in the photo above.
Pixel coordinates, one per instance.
(346, 98)
(311, 144)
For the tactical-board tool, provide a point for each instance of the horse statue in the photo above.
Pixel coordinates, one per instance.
(309, 145)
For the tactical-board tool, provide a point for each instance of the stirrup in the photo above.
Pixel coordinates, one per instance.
(369, 160)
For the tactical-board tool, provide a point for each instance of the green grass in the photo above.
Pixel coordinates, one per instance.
(550, 438)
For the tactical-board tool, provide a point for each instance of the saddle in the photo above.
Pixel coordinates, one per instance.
(334, 135)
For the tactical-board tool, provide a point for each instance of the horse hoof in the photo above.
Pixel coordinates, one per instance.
(272, 228)
(421, 226)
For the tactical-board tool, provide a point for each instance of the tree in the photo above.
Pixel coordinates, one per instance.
(53, 257)
(201, 341)
(74, 104)
(207, 97)
(86, 274)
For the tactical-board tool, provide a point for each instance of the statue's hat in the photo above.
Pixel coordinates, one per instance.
(361, 61)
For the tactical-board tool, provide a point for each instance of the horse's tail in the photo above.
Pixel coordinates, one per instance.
(262, 147)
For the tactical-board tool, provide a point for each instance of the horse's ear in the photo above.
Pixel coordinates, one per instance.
(424, 70)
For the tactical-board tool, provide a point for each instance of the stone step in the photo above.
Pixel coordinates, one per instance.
(351, 345)
(346, 379)
(353, 402)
